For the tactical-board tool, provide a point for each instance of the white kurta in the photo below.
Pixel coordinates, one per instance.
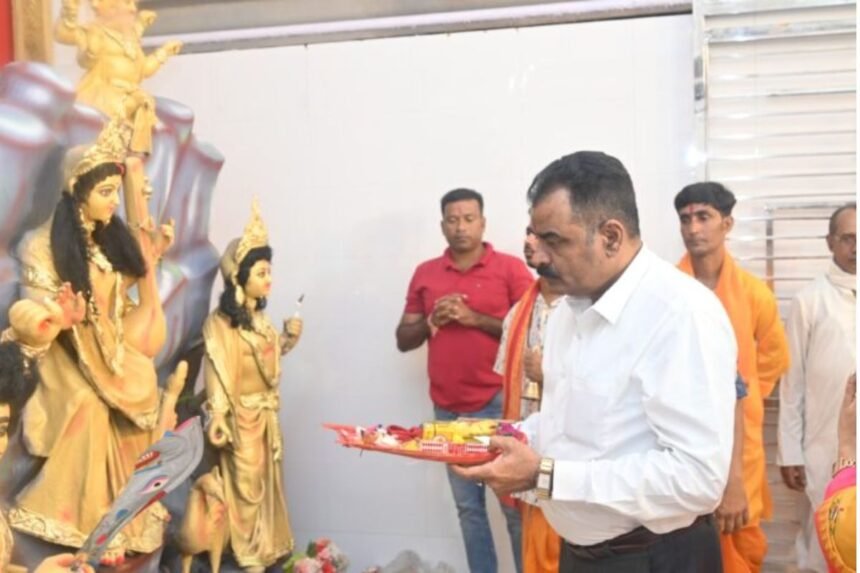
(822, 341)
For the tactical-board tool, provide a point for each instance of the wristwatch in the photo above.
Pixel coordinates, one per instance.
(843, 463)
(543, 489)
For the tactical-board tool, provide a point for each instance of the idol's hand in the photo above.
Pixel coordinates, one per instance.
(293, 328)
(163, 239)
(37, 324)
(277, 449)
(171, 48)
(71, 307)
(219, 431)
(146, 18)
(514, 470)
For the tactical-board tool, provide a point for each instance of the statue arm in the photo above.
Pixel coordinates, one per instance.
(215, 377)
(35, 324)
(156, 59)
(292, 332)
(145, 18)
(67, 30)
(146, 327)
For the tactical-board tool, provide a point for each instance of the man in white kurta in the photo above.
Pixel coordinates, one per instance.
(822, 338)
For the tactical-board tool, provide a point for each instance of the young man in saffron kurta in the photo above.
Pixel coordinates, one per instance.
(705, 212)
(519, 364)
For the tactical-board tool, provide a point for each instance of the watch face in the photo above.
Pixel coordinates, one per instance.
(543, 481)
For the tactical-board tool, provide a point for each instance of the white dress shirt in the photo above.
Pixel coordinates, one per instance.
(638, 405)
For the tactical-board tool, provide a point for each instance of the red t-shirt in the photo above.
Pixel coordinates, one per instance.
(460, 359)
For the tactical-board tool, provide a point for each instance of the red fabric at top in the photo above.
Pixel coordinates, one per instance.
(460, 361)
(6, 41)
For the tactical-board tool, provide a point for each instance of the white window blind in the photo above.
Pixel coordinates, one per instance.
(775, 103)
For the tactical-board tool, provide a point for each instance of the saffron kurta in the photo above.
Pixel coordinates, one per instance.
(823, 340)
(244, 366)
(762, 358)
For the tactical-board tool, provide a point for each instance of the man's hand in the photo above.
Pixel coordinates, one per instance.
(460, 312)
(532, 364)
(514, 470)
(733, 512)
(62, 563)
(794, 477)
(443, 310)
(847, 429)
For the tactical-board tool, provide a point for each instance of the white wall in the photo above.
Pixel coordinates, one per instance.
(349, 147)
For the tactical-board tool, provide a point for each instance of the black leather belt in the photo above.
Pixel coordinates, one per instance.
(634, 541)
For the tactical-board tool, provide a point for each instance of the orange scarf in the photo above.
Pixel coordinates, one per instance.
(518, 332)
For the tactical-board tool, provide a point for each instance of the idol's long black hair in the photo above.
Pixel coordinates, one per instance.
(68, 238)
(238, 314)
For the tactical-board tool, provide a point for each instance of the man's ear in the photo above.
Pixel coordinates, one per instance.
(612, 233)
(729, 223)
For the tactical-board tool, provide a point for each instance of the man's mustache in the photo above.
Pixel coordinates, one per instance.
(547, 272)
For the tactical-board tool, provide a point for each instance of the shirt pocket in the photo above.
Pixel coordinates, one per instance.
(489, 296)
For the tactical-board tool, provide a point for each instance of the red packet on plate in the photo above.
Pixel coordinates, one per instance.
(464, 441)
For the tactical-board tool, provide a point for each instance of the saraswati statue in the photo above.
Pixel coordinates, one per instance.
(109, 50)
(97, 405)
(242, 371)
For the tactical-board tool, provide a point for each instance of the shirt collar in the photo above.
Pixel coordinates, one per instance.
(610, 305)
(482, 262)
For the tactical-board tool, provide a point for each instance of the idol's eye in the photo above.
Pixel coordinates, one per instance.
(155, 484)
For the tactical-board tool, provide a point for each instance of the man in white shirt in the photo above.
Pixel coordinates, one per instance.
(632, 445)
(822, 340)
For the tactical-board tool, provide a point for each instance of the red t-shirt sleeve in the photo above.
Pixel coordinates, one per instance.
(414, 302)
(520, 280)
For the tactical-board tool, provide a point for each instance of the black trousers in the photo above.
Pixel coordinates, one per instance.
(693, 549)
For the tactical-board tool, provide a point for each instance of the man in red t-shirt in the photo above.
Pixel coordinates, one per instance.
(457, 303)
